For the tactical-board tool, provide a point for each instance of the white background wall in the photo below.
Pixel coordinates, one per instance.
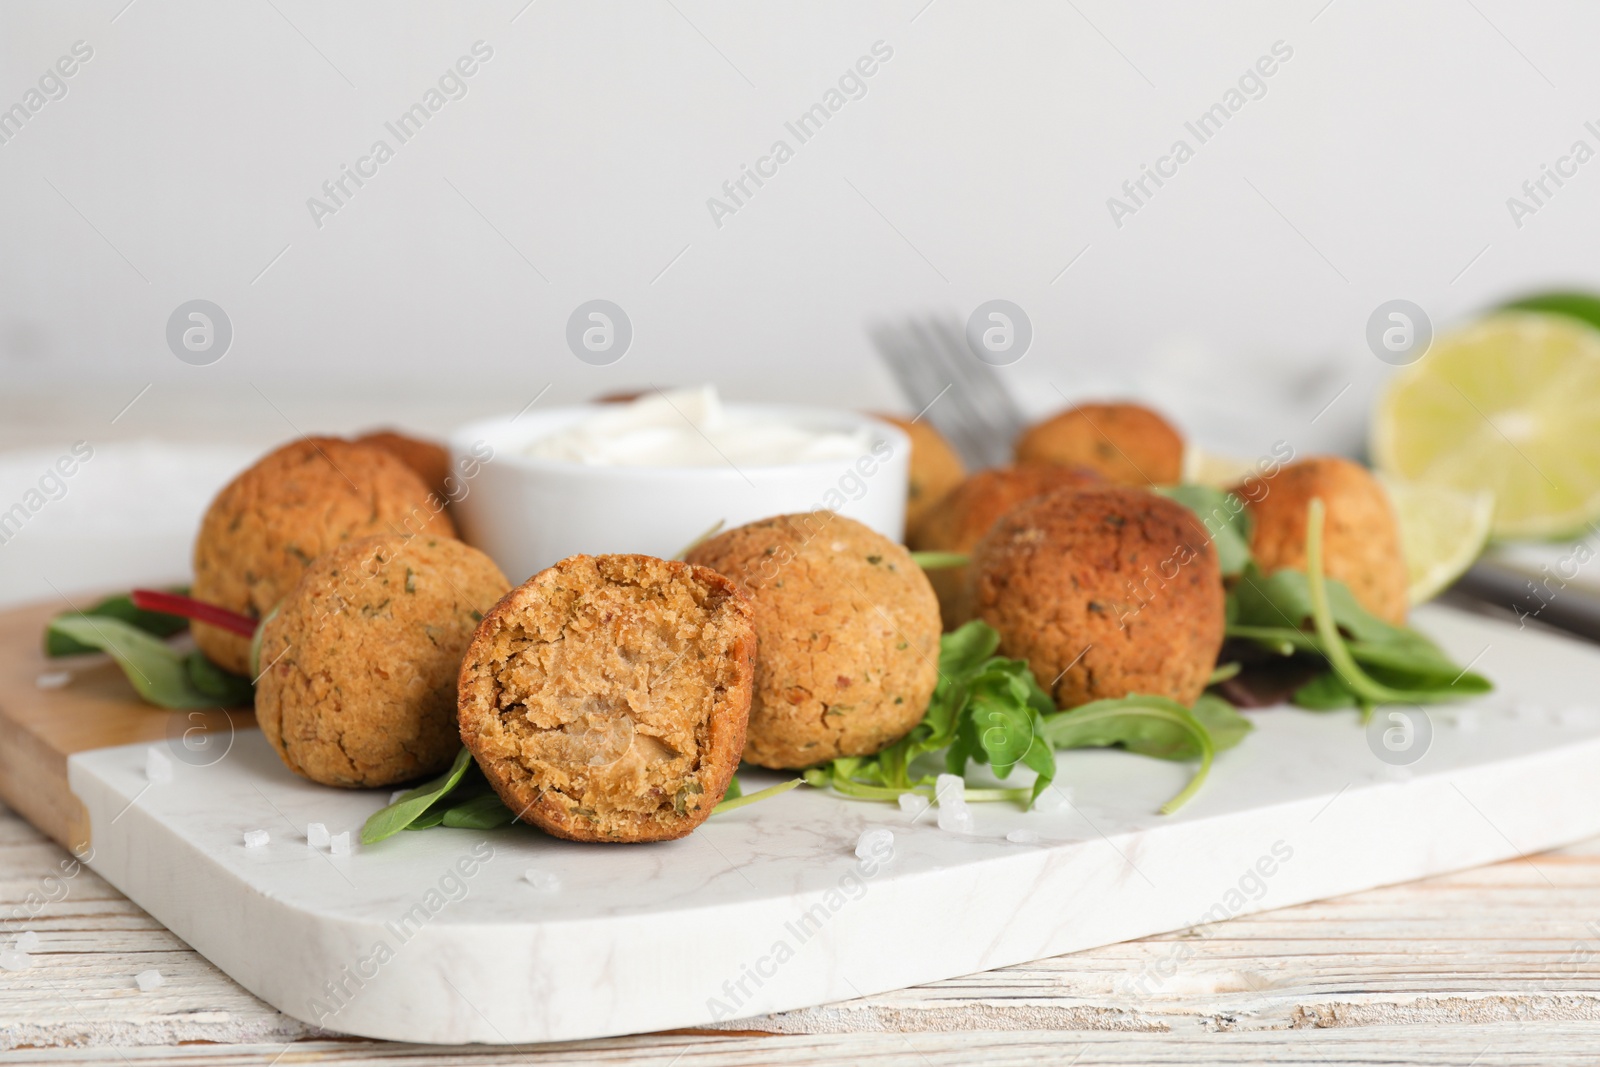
(977, 165)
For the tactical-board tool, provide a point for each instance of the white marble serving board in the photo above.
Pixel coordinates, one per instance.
(767, 908)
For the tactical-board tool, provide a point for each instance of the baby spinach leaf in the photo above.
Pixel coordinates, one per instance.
(155, 623)
(226, 688)
(409, 806)
(1225, 518)
(485, 812)
(155, 669)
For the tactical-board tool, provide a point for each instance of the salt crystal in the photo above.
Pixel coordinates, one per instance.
(148, 980)
(544, 881)
(877, 842)
(1054, 798)
(951, 789)
(157, 767)
(913, 804)
(317, 835)
(256, 838)
(13, 960)
(53, 679)
(27, 941)
(1023, 837)
(339, 844)
(956, 820)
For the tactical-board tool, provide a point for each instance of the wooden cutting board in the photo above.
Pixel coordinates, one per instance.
(40, 727)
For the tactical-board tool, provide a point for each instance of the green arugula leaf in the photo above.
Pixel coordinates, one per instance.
(732, 801)
(120, 607)
(156, 670)
(1225, 518)
(936, 561)
(410, 805)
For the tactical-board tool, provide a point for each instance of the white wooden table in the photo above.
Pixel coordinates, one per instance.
(1499, 965)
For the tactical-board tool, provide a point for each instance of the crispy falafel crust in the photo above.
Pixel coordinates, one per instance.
(959, 521)
(360, 688)
(935, 468)
(1361, 536)
(606, 697)
(294, 504)
(428, 459)
(1127, 443)
(1105, 592)
(849, 630)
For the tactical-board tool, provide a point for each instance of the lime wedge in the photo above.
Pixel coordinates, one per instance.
(1215, 469)
(1442, 533)
(1509, 405)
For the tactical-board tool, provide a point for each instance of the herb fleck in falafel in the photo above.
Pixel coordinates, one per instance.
(296, 503)
(1129, 444)
(959, 521)
(361, 659)
(849, 630)
(1105, 592)
(606, 697)
(1361, 538)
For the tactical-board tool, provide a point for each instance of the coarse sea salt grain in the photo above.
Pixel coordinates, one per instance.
(951, 789)
(14, 960)
(27, 941)
(149, 980)
(914, 804)
(256, 838)
(157, 766)
(53, 679)
(956, 820)
(544, 881)
(1023, 837)
(877, 842)
(339, 844)
(317, 834)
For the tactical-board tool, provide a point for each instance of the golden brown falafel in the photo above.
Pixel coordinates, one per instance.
(1361, 536)
(295, 503)
(849, 630)
(959, 521)
(429, 459)
(362, 658)
(1106, 592)
(606, 697)
(1127, 443)
(935, 468)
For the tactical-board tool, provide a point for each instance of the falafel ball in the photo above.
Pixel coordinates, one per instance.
(1105, 591)
(362, 658)
(1360, 537)
(1129, 444)
(849, 630)
(935, 468)
(606, 697)
(429, 459)
(958, 522)
(296, 503)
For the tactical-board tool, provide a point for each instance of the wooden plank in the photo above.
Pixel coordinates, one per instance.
(40, 728)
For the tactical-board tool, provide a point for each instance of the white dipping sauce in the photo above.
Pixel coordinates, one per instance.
(691, 428)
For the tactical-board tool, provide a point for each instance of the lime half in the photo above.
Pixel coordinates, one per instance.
(1442, 533)
(1509, 406)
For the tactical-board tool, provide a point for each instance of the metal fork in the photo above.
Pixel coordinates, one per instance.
(961, 395)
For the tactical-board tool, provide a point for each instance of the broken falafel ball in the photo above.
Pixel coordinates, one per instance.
(849, 630)
(297, 502)
(360, 659)
(1128, 444)
(959, 521)
(606, 697)
(1106, 592)
(1361, 535)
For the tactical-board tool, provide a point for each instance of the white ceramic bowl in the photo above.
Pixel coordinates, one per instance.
(528, 512)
